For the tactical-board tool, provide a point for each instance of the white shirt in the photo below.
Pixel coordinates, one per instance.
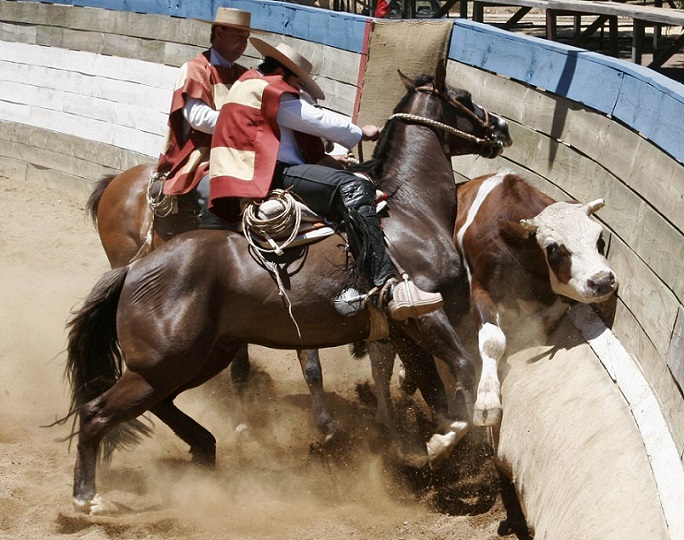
(196, 112)
(295, 114)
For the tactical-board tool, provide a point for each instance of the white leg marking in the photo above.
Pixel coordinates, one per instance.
(492, 344)
(439, 447)
(96, 506)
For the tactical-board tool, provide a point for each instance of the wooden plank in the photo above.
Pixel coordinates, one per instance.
(125, 23)
(675, 356)
(97, 87)
(86, 63)
(630, 333)
(176, 54)
(102, 43)
(81, 148)
(645, 295)
(19, 33)
(540, 4)
(57, 161)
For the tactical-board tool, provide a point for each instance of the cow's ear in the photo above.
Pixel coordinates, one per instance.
(514, 232)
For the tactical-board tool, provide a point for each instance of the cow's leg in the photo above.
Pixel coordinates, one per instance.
(310, 363)
(492, 345)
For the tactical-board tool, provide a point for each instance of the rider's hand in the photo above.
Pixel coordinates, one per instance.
(370, 133)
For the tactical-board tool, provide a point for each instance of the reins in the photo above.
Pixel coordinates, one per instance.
(486, 141)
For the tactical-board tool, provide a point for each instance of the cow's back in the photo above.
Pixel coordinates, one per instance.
(496, 250)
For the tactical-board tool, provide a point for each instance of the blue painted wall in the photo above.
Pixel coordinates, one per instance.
(641, 98)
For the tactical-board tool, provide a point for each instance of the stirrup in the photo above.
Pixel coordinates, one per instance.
(410, 301)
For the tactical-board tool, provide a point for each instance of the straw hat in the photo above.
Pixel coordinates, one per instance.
(234, 18)
(292, 60)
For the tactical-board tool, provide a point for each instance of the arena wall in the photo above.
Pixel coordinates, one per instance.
(85, 88)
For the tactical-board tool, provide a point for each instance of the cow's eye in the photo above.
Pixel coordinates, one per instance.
(552, 251)
(601, 245)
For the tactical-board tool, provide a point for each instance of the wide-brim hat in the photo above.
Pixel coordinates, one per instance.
(234, 18)
(293, 61)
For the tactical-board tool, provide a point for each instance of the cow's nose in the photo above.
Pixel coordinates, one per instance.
(602, 283)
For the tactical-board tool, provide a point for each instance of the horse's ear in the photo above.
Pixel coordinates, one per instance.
(440, 76)
(408, 83)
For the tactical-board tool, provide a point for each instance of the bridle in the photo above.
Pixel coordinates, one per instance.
(489, 140)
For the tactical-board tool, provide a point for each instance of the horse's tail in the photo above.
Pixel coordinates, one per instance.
(94, 360)
(94, 200)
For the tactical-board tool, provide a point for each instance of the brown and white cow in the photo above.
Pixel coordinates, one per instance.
(518, 246)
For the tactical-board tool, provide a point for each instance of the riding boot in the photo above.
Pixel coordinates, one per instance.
(367, 244)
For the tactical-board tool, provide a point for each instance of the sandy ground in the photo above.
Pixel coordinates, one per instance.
(268, 483)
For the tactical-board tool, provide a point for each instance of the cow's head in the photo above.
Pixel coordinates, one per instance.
(572, 245)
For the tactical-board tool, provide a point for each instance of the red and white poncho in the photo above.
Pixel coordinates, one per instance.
(185, 158)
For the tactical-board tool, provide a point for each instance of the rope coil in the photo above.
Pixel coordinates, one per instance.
(275, 225)
(288, 219)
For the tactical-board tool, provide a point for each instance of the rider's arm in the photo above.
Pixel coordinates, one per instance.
(199, 115)
(298, 115)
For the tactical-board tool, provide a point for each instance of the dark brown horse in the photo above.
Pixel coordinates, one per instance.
(177, 316)
(128, 230)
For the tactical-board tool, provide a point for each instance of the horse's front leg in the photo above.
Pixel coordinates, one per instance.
(310, 362)
(434, 333)
(492, 345)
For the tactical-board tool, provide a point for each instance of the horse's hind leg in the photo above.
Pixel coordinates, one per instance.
(131, 396)
(310, 362)
(240, 367)
(202, 443)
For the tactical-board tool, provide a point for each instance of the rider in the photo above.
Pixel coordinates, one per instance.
(200, 89)
(268, 137)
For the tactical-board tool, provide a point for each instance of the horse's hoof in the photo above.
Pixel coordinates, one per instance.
(487, 417)
(439, 447)
(96, 506)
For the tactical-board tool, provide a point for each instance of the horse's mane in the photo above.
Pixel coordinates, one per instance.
(374, 166)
